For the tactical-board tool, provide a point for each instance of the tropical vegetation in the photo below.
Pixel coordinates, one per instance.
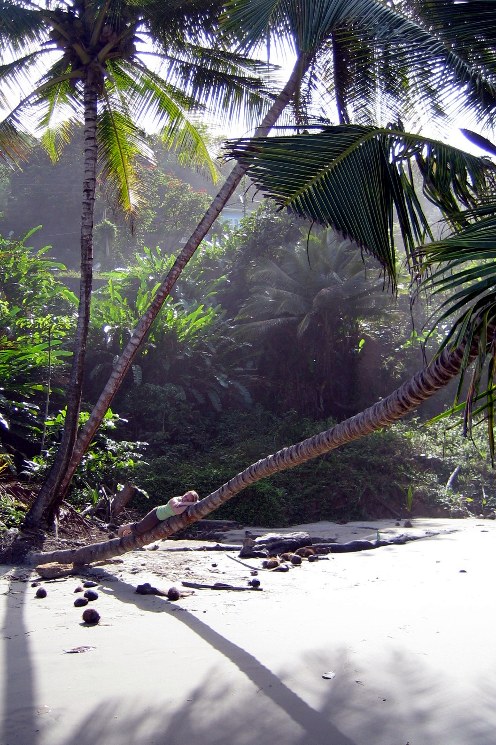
(381, 65)
(112, 65)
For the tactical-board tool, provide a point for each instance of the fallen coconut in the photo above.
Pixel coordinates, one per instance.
(91, 616)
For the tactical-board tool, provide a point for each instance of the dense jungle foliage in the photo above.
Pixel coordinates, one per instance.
(273, 332)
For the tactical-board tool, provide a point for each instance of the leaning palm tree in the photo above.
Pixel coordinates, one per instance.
(363, 50)
(382, 414)
(378, 163)
(115, 65)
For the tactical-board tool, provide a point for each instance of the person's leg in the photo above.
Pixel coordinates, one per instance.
(149, 522)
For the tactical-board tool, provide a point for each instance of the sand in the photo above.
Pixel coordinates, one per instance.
(404, 634)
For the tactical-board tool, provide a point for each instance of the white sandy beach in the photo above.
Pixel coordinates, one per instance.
(407, 631)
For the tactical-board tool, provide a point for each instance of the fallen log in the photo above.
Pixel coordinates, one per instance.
(219, 586)
(364, 545)
(273, 544)
(215, 547)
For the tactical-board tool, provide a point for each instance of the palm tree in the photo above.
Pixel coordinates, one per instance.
(309, 308)
(114, 64)
(362, 49)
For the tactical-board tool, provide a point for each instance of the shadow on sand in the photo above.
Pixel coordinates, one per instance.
(215, 715)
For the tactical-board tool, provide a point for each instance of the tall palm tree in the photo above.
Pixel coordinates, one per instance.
(113, 64)
(361, 48)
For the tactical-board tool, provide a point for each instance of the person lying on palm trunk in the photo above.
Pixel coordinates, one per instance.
(174, 506)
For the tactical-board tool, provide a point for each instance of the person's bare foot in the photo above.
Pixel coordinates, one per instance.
(125, 530)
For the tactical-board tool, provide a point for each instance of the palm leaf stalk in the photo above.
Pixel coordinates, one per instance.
(401, 402)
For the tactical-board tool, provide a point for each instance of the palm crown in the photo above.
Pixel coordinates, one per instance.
(413, 58)
(149, 61)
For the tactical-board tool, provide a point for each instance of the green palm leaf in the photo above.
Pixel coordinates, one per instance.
(147, 96)
(463, 267)
(120, 141)
(222, 81)
(357, 180)
(21, 27)
(463, 272)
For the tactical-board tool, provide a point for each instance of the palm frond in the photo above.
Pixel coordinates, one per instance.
(175, 19)
(357, 179)
(20, 27)
(119, 144)
(463, 271)
(15, 143)
(149, 96)
(412, 57)
(57, 111)
(274, 273)
(17, 75)
(467, 30)
(463, 267)
(21, 121)
(229, 85)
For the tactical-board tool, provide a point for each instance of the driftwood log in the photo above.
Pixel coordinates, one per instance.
(273, 544)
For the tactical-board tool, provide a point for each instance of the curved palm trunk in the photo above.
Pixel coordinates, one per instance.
(126, 359)
(382, 414)
(47, 498)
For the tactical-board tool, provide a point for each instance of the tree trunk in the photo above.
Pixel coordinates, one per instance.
(50, 495)
(112, 506)
(126, 359)
(382, 414)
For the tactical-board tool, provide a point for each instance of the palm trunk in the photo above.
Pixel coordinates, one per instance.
(338, 60)
(126, 359)
(48, 498)
(382, 414)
